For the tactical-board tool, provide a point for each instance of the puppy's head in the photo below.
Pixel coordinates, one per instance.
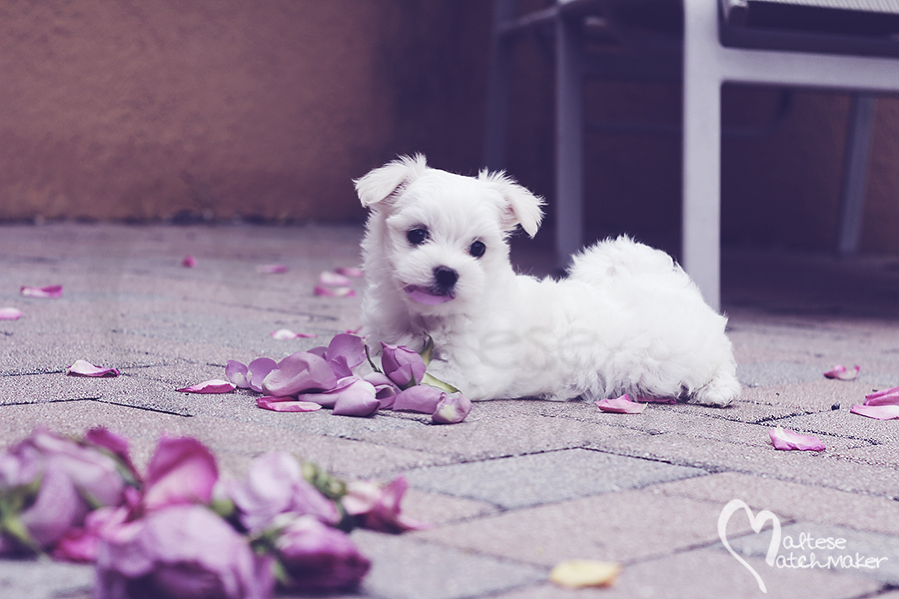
(439, 238)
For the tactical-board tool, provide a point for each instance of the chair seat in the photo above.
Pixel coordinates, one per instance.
(856, 27)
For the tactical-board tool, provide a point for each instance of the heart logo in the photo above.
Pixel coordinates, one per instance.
(757, 521)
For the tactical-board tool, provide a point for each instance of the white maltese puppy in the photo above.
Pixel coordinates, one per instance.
(626, 320)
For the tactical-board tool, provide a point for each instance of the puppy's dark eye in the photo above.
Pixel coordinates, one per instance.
(417, 236)
(477, 249)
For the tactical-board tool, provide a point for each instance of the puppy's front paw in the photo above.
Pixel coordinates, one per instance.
(720, 392)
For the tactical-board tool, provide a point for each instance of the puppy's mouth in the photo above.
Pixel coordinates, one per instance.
(426, 296)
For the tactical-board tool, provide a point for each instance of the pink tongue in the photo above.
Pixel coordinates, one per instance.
(423, 297)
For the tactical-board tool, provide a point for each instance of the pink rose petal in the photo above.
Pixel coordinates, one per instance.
(10, 314)
(271, 269)
(452, 409)
(258, 370)
(420, 398)
(189, 261)
(332, 279)
(883, 398)
(210, 386)
(620, 405)
(237, 373)
(842, 373)
(286, 404)
(284, 334)
(880, 412)
(50, 291)
(786, 439)
(84, 368)
(182, 470)
(323, 291)
(299, 372)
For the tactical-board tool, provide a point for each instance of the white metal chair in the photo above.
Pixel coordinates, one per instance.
(730, 41)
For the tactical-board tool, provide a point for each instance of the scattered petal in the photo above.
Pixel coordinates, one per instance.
(786, 439)
(880, 412)
(323, 291)
(259, 369)
(284, 334)
(378, 507)
(351, 271)
(842, 373)
(420, 398)
(317, 558)
(286, 404)
(50, 291)
(355, 331)
(344, 353)
(452, 409)
(10, 314)
(299, 372)
(182, 470)
(404, 366)
(210, 386)
(578, 573)
(84, 368)
(883, 398)
(271, 269)
(189, 261)
(237, 373)
(332, 279)
(620, 405)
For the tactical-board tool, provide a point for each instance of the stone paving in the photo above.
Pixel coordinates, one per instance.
(520, 485)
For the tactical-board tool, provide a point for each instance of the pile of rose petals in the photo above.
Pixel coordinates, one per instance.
(306, 381)
(882, 405)
(337, 282)
(176, 524)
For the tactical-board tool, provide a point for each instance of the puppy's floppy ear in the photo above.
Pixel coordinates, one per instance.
(384, 182)
(521, 206)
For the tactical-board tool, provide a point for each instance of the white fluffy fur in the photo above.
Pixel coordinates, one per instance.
(627, 319)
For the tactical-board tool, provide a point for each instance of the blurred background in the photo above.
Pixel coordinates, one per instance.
(216, 110)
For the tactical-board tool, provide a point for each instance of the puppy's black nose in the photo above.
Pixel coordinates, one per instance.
(446, 277)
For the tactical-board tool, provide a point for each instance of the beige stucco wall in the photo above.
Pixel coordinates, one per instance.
(133, 110)
(116, 109)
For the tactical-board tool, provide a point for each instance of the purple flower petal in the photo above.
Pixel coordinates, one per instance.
(452, 409)
(356, 399)
(299, 372)
(286, 404)
(10, 314)
(378, 507)
(879, 411)
(259, 369)
(182, 470)
(351, 271)
(404, 366)
(116, 444)
(284, 334)
(786, 439)
(883, 398)
(323, 291)
(318, 558)
(620, 405)
(84, 368)
(332, 279)
(385, 389)
(50, 291)
(181, 551)
(842, 373)
(275, 485)
(189, 261)
(210, 386)
(237, 373)
(344, 353)
(271, 269)
(420, 398)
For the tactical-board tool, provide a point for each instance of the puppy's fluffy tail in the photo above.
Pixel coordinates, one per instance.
(612, 258)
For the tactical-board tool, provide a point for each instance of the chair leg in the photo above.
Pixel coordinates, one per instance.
(498, 88)
(855, 167)
(701, 252)
(569, 142)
